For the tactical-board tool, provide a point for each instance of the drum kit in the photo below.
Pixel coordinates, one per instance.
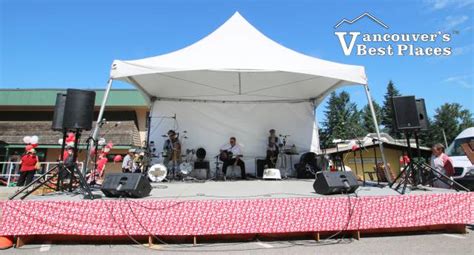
(176, 168)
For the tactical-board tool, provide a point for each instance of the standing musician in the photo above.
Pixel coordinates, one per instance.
(231, 154)
(172, 149)
(272, 149)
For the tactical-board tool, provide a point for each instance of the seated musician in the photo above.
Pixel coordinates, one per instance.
(272, 149)
(231, 154)
(172, 148)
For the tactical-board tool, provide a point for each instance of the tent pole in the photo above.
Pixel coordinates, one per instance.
(95, 134)
(374, 119)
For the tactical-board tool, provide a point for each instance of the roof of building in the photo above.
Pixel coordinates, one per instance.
(47, 97)
(371, 140)
(123, 133)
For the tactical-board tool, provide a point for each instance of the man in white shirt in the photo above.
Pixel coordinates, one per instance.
(231, 155)
(127, 162)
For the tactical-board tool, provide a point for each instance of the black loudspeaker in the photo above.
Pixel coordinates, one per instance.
(201, 164)
(335, 182)
(422, 115)
(79, 109)
(59, 112)
(260, 167)
(126, 185)
(405, 113)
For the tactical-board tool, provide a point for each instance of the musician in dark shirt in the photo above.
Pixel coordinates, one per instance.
(231, 154)
(272, 149)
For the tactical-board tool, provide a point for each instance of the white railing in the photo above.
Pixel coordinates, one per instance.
(10, 170)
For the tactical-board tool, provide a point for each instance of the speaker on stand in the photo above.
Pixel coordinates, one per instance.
(79, 109)
(422, 115)
(73, 112)
(58, 115)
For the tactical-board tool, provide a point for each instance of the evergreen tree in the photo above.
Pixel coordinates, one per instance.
(426, 136)
(366, 117)
(451, 118)
(387, 110)
(342, 119)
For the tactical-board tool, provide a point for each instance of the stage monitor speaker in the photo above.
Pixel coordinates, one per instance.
(422, 115)
(260, 166)
(59, 112)
(405, 113)
(126, 185)
(79, 109)
(335, 182)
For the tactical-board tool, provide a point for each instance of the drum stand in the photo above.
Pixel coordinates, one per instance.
(281, 163)
(217, 163)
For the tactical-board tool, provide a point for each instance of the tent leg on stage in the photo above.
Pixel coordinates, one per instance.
(194, 240)
(95, 134)
(374, 119)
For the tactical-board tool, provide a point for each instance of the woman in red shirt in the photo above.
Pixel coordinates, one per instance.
(28, 168)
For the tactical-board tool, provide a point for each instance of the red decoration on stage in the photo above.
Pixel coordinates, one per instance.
(211, 217)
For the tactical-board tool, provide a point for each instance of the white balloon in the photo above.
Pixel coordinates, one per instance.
(34, 139)
(102, 141)
(27, 139)
(60, 141)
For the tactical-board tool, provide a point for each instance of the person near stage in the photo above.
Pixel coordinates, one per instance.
(172, 149)
(127, 163)
(231, 154)
(272, 149)
(101, 163)
(28, 167)
(138, 161)
(442, 163)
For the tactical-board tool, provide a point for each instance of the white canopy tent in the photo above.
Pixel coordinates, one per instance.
(236, 82)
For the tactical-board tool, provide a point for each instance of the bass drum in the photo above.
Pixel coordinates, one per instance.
(185, 168)
(157, 173)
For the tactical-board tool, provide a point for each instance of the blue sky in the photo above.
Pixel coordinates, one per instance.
(69, 43)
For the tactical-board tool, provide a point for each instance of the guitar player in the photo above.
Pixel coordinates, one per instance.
(231, 154)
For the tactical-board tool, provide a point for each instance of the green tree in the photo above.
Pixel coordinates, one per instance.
(342, 119)
(387, 110)
(366, 117)
(452, 118)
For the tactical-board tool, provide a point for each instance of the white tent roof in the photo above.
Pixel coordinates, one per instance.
(236, 63)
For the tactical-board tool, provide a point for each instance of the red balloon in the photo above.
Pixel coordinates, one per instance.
(118, 158)
(35, 145)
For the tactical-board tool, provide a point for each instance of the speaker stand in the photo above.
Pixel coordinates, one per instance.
(43, 181)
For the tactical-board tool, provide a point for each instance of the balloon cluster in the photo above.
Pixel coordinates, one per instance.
(31, 142)
(70, 139)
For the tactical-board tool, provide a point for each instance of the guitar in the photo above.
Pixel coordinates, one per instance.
(225, 155)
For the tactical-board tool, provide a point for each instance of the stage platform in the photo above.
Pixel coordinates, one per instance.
(184, 210)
